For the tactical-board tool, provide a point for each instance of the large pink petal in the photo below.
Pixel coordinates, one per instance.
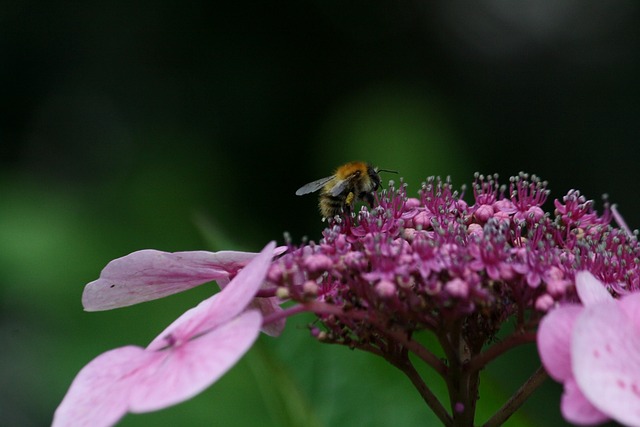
(223, 306)
(181, 372)
(577, 409)
(149, 274)
(554, 341)
(99, 395)
(606, 361)
(591, 290)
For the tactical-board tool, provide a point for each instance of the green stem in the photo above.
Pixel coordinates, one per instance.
(518, 398)
(420, 351)
(481, 360)
(427, 395)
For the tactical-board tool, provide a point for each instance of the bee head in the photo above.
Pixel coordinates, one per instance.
(374, 174)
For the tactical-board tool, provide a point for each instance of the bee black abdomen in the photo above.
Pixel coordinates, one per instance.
(331, 206)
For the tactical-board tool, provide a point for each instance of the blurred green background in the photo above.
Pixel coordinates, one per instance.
(183, 126)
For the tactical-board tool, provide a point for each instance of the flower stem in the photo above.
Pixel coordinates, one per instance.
(290, 311)
(481, 360)
(421, 352)
(518, 398)
(427, 395)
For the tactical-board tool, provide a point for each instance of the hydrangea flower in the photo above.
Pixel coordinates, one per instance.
(459, 271)
(594, 350)
(380, 278)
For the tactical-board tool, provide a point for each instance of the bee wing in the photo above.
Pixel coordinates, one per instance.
(339, 187)
(313, 186)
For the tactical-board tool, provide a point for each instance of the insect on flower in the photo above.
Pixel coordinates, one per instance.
(350, 182)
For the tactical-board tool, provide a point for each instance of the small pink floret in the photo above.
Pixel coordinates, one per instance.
(483, 213)
(457, 288)
(385, 288)
(318, 263)
(544, 302)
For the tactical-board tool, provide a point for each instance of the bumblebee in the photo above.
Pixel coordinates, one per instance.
(350, 182)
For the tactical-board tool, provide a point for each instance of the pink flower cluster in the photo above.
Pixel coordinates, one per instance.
(429, 262)
(432, 263)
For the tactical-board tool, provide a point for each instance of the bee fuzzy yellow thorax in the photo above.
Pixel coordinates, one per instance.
(347, 170)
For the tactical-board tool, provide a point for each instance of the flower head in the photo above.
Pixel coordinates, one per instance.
(437, 262)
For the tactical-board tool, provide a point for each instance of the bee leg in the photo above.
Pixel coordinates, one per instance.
(368, 197)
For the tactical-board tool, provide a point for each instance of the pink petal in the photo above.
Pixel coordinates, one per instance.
(266, 306)
(577, 409)
(149, 274)
(606, 361)
(554, 341)
(243, 288)
(280, 250)
(99, 395)
(631, 307)
(179, 373)
(225, 305)
(591, 290)
(269, 306)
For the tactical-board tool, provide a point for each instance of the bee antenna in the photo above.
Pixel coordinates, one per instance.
(387, 170)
